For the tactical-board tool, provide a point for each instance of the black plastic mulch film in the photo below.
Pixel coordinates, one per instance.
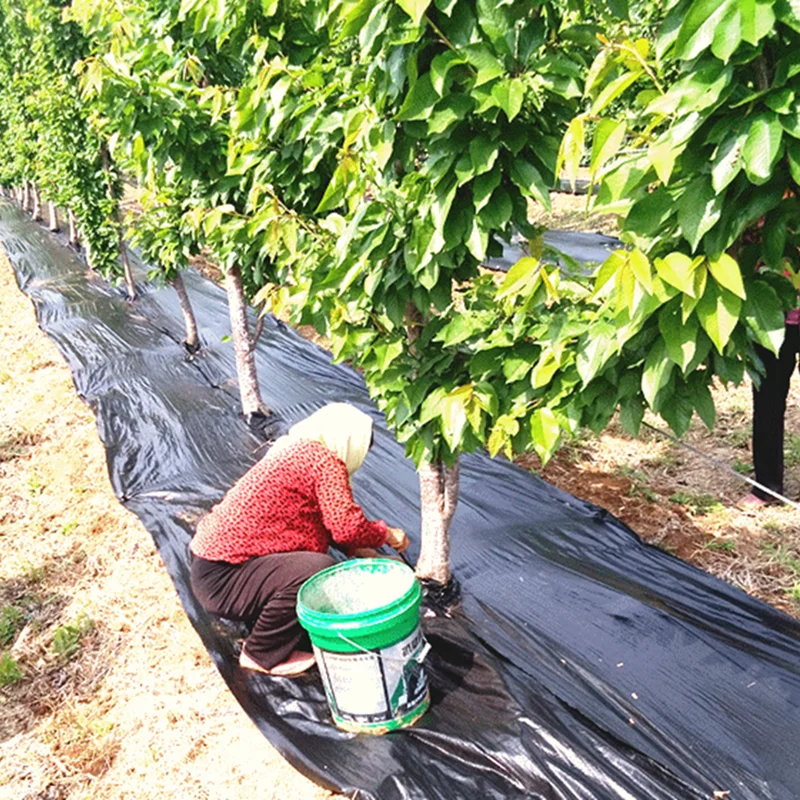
(581, 663)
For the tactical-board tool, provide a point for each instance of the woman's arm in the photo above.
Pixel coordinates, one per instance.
(341, 515)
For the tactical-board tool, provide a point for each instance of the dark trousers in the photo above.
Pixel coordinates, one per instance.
(769, 408)
(261, 592)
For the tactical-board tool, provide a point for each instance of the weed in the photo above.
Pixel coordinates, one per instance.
(9, 670)
(720, 545)
(16, 445)
(639, 480)
(32, 574)
(70, 526)
(783, 555)
(698, 504)
(742, 467)
(35, 485)
(793, 592)
(67, 638)
(791, 456)
(738, 437)
(772, 527)
(10, 622)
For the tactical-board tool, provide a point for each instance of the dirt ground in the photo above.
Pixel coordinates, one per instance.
(106, 692)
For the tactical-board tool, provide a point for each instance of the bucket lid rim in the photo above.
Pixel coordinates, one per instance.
(313, 616)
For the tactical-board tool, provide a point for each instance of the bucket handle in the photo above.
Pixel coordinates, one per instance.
(422, 655)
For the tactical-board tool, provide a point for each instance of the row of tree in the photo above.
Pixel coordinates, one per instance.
(356, 162)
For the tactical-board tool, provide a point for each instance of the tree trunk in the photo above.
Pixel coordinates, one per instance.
(53, 226)
(242, 345)
(89, 255)
(74, 239)
(192, 342)
(438, 490)
(26, 196)
(37, 204)
(123, 252)
(126, 266)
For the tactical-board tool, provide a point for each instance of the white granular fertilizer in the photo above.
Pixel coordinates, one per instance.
(357, 590)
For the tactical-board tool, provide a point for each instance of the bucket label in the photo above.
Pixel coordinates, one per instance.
(376, 686)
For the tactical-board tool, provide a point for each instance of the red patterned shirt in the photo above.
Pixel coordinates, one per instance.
(297, 499)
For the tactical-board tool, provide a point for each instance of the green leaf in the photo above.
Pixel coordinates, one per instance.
(631, 414)
(487, 65)
(608, 138)
(497, 213)
(727, 161)
(677, 270)
(571, 150)
(699, 27)
(441, 65)
(758, 19)
(718, 311)
(521, 279)
(483, 154)
(657, 370)
(793, 157)
(781, 101)
(509, 93)
(788, 12)
(728, 34)
(594, 351)
(414, 8)
(699, 209)
(545, 433)
(614, 89)
(680, 337)
(386, 353)
(483, 186)
(763, 314)
(454, 415)
(662, 157)
(702, 400)
(791, 124)
(762, 149)
(530, 182)
(650, 215)
(727, 274)
(420, 100)
(544, 370)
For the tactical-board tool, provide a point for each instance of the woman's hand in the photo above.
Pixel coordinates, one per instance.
(396, 539)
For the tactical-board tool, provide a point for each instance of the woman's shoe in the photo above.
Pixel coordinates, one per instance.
(297, 663)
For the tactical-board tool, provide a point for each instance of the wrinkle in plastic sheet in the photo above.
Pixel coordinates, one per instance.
(581, 664)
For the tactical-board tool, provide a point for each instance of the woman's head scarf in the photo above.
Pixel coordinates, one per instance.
(342, 428)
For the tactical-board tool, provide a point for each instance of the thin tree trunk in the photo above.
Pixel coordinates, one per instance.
(242, 342)
(123, 252)
(438, 489)
(73, 229)
(37, 204)
(53, 226)
(126, 266)
(26, 196)
(192, 342)
(89, 255)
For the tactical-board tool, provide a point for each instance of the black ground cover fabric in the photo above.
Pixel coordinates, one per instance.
(585, 248)
(581, 664)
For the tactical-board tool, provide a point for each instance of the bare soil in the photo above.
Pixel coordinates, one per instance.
(106, 692)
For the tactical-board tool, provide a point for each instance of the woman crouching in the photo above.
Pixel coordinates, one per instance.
(271, 532)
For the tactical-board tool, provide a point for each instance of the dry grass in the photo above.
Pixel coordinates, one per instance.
(105, 689)
(568, 213)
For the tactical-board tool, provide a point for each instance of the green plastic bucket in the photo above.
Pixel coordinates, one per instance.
(363, 620)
